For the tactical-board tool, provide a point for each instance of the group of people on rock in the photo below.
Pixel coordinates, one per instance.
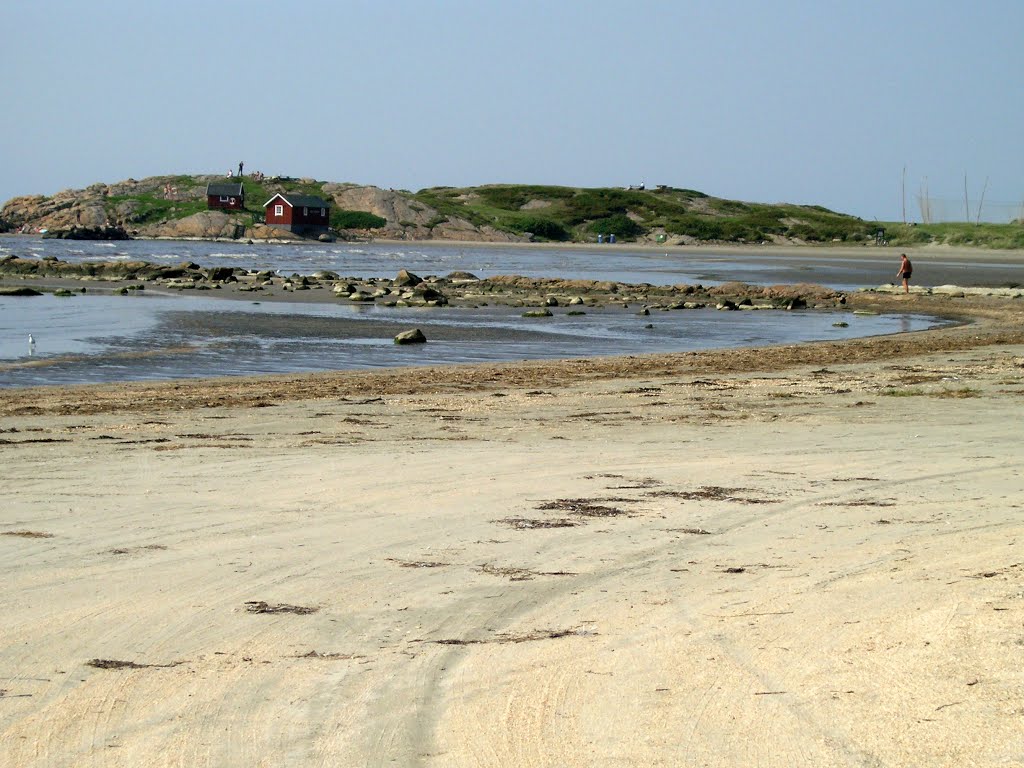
(256, 175)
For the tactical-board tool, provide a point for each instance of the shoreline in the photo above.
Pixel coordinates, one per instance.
(1009, 256)
(982, 323)
(992, 320)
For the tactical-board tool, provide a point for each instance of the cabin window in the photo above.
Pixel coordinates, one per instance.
(279, 210)
(224, 199)
(323, 211)
(305, 211)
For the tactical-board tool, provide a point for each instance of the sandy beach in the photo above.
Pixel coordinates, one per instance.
(797, 556)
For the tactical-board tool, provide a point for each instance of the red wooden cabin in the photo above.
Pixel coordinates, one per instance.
(227, 196)
(301, 214)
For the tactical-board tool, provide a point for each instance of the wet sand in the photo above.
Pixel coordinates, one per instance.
(801, 556)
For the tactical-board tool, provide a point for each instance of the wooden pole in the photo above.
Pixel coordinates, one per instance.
(903, 193)
(981, 202)
(967, 208)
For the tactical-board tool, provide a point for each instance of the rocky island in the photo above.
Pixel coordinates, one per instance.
(177, 207)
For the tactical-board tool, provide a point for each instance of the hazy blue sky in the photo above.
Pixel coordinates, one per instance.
(805, 102)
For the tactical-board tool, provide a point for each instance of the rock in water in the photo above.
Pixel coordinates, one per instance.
(406, 278)
(415, 336)
(88, 233)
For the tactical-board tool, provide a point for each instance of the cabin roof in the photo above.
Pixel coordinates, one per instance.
(297, 201)
(224, 190)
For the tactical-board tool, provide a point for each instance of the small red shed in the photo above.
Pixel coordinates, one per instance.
(228, 196)
(301, 214)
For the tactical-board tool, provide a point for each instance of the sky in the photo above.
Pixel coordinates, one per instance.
(857, 106)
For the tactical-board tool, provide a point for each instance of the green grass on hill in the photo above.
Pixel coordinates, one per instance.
(567, 213)
(152, 208)
(1002, 236)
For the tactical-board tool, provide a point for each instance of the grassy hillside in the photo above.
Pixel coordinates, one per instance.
(575, 214)
(963, 234)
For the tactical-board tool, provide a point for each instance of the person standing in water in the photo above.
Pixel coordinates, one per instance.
(905, 270)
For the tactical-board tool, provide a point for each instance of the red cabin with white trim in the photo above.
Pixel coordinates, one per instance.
(301, 214)
(229, 197)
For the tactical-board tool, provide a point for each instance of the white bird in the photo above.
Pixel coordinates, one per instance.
(31, 340)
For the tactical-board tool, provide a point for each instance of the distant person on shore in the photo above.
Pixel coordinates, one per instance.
(906, 269)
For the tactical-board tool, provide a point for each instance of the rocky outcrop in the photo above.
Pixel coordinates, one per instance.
(124, 204)
(411, 220)
(102, 270)
(89, 233)
(205, 225)
(98, 205)
(399, 211)
(464, 231)
(263, 232)
(60, 212)
(19, 291)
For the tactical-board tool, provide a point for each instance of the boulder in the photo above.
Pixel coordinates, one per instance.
(414, 336)
(428, 293)
(221, 274)
(406, 278)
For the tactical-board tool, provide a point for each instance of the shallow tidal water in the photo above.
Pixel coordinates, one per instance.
(93, 338)
(88, 338)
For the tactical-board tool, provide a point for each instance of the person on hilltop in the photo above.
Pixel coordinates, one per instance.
(905, 270)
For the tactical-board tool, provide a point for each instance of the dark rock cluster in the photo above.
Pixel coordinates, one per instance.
(461, 289)
(89, 233)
